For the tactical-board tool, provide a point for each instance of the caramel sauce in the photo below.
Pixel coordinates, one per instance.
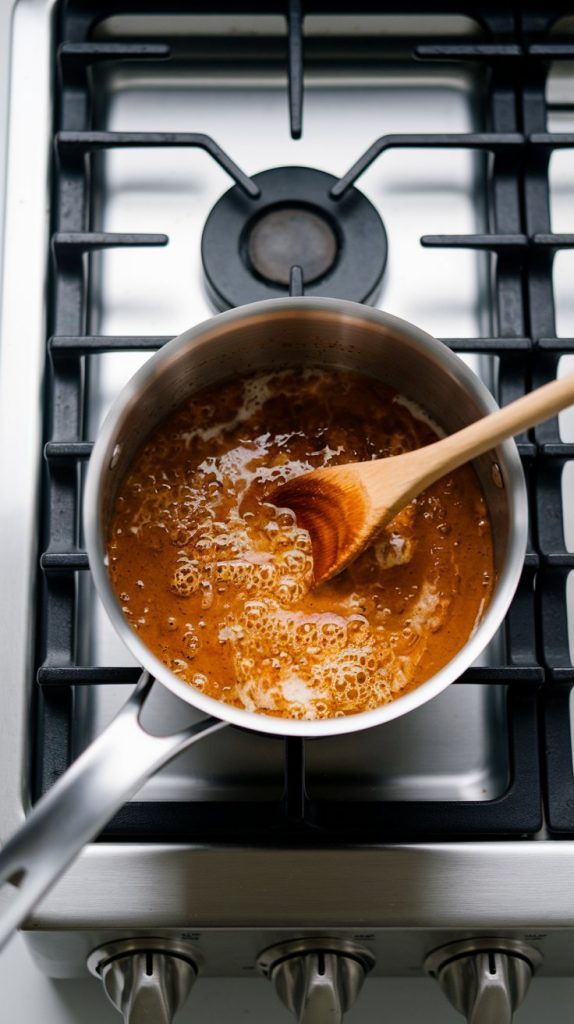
(217, 582)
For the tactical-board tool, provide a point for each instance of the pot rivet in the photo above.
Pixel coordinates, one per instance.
(115, 456)
(497, 475)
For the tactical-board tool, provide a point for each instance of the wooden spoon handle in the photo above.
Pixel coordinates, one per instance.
(478, 438)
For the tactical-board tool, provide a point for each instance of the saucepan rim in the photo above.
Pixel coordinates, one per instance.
(102, 454)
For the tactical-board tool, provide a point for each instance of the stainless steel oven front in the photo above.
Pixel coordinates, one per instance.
(127, 133)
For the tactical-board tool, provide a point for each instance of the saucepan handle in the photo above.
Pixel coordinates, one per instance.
(74, 810)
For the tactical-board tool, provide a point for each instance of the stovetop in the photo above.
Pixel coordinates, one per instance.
(457, 749)
(240, 99)
(473, 119)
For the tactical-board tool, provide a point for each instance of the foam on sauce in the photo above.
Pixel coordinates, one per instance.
(217, 582)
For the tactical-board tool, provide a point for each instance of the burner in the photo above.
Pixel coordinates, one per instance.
(289, 236)
(249, 245)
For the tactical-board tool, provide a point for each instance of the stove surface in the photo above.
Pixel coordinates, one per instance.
(456, 747)
(406, 837)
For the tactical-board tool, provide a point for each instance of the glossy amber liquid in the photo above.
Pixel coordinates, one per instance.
(217, 582)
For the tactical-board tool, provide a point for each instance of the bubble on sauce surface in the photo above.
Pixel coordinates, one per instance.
(186, 579)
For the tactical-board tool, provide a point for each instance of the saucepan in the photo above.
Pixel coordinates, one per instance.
(274, 334)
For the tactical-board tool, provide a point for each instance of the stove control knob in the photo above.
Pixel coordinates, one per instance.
(317, 985)
(147, 986)
(485, 985)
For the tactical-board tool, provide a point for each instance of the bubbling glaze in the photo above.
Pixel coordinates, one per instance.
(217, 581)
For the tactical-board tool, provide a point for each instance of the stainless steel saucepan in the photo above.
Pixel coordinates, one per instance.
(268, 335)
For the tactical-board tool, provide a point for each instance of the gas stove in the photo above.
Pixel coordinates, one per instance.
(240, 156)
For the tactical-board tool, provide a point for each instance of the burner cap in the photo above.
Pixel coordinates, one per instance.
(290, 236)
(249, 245)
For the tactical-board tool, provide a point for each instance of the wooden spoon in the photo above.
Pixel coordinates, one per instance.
(344, 507)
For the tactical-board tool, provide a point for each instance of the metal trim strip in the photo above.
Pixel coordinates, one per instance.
(526, 887)
(22, 354)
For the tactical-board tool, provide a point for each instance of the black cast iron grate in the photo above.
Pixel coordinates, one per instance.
(538, 674)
